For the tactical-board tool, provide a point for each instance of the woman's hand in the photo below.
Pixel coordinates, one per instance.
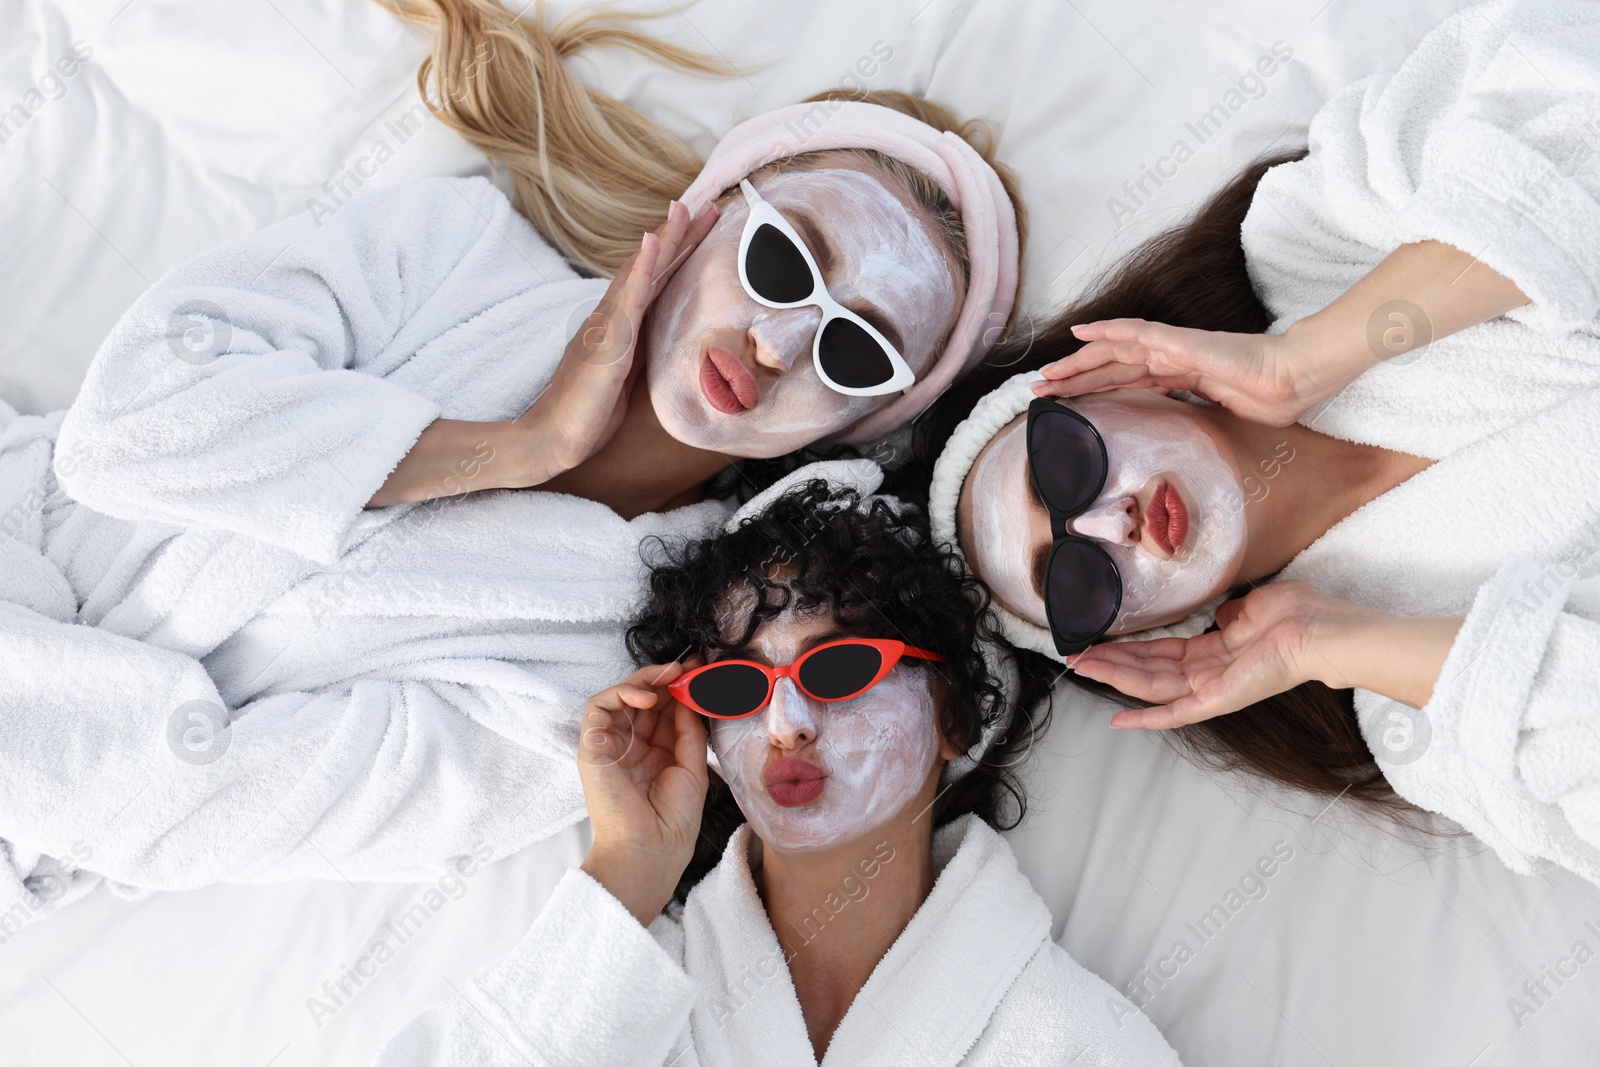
(1420, 292)
(587, 397)
(1260, 377)
(578, 411)
(642, 761)
(1270, 641)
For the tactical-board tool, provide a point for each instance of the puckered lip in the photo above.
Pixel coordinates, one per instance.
(792, 769)
(727, 383)
(1167, 518)
(794, 782)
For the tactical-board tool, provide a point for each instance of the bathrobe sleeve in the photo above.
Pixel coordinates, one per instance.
(124, 748)
(1515, 717)
(263, 387)
(1487, 139)
(586, 986)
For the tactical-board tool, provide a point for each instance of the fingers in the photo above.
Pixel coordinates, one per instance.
(1168, 717)
(1096, 380)
(634, 295)
(1137, 680)
(1143, 331)
(690, 749)
(616, 718)
(1108, 363)
(1185, 710)
(606, 338)
(1084, 359)
(600, 743)
(657, 675)
(636, 692)
(1163, 648)
(681, 242)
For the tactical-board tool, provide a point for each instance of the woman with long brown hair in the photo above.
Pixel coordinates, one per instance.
(237, 659)
(1396, 337)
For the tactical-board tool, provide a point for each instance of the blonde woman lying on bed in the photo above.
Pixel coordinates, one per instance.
(1425, 516)
(225, 659)
(867, 912)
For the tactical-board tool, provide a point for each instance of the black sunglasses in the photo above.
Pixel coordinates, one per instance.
(1082, 586)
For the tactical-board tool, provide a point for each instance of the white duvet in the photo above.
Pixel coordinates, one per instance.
(191, 124)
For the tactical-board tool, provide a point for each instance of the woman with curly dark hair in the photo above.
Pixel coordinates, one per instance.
(836, 885)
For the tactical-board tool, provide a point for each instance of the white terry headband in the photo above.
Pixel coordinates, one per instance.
(865, 476)
(950, 471)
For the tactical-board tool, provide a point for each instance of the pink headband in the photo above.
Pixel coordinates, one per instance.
(955, 166)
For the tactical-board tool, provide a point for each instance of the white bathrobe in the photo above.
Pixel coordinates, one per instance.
(400, 686)
(973, 979)
(1488, 139)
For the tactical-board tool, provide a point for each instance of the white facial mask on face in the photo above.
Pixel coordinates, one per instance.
(876, 749)
(1142, 443)
(885, 256)
(1000, 523)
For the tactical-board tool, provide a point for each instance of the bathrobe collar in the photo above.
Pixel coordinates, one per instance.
(926, 1002)
(1426, 546)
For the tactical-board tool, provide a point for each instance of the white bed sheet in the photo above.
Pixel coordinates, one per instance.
(195, 123)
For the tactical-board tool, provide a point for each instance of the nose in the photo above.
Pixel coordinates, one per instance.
(783, 336)
(790, 723)
(1113, 523)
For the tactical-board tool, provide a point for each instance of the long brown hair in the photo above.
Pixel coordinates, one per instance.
(1194, 276)
(591, 173)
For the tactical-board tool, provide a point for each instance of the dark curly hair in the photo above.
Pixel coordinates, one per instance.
(878, 572)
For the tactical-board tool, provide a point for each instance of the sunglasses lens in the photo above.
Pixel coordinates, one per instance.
(1068, 463)
(729, 689)
(775, 268)
(1082, 592)
(841, 671)
(851, 357)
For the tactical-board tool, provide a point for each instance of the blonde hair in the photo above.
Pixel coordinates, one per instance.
(591, 173)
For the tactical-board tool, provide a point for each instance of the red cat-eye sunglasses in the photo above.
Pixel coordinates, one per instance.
(838, 670)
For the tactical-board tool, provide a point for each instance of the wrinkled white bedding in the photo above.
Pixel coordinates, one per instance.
(193, 123)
